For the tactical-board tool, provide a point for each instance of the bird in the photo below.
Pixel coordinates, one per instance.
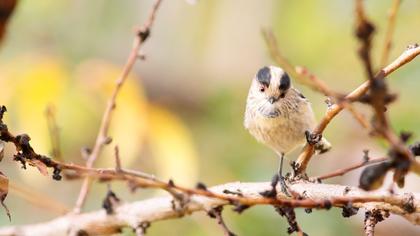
(280, 116)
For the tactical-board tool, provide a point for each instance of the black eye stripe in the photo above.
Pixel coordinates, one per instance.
(284, 82)
(264, 76)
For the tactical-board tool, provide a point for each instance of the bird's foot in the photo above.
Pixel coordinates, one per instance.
(312, 138)
(283, 185)
(272, 193)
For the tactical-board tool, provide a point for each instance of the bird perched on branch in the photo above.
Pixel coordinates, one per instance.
(279, 116)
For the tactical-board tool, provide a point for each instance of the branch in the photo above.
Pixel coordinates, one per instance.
(373, 217)
(54, 132)
(344, 171)
(142, 35)
(407, 56)
(161, 208)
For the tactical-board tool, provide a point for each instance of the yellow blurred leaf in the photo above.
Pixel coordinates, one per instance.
(39, 80)
(172, 147)
(35, 81)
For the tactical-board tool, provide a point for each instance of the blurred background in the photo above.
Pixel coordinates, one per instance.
(180, 113)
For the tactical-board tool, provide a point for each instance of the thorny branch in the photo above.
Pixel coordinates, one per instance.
(142, 34)
(318, 196)
(394, 203)
(378, 97)
(355, 95)
(364, 31)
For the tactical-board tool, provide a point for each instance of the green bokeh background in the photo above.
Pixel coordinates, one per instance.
(200, 61)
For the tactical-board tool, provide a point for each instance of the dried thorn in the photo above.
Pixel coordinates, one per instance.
(415, 149)
(110, 202)
(366, 157)
(409, 206)
(20, 158)
(412, 46)
(346, 190)
(141, 56)
(179, 202)
(143, 34)
(405, 136)
(85, 151)
(57, 173)
(107, 140)
(239, 208)
(349, 210)
(327, 204)
(272, 193)
(238, 192)
(201, 186)
(141, 229)
(3, 110)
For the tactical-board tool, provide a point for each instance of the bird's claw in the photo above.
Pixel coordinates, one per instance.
(312, 138)
(272, 193)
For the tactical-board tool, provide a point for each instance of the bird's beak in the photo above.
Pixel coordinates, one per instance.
(272, 100)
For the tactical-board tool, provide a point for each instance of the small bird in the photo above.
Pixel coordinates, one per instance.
(279, 116)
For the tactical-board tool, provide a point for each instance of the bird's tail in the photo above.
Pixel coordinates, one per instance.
(322, 146)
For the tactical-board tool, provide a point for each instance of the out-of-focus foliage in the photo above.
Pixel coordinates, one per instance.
(180, 113)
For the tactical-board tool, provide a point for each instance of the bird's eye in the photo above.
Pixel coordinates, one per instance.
(262, 89)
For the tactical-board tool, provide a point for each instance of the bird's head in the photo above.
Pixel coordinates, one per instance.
(269, 90)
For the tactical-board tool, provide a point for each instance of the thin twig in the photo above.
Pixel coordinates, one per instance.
(343, 171)
(142, 35)
(117, 159)
(38, 199)
(392, 16)
(54, 132)
(357, 116)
